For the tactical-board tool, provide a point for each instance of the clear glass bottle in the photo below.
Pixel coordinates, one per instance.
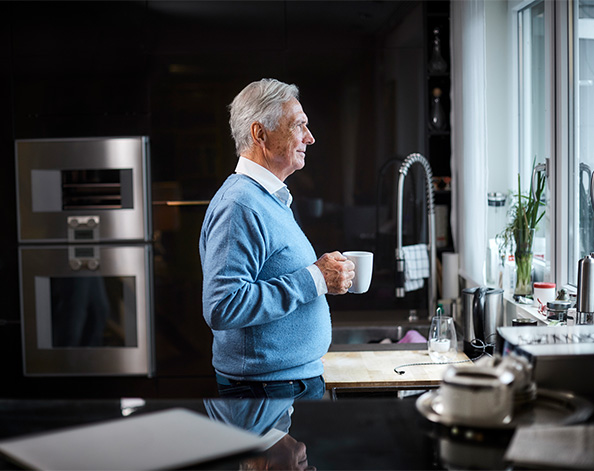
(496, 219)
(437, 119)
(509, 275)
(437, 64)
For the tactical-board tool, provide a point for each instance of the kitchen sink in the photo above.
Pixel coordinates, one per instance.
(357, 335)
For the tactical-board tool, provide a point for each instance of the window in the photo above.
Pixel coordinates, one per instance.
(555, 47)
(547, 112)
(581, 135)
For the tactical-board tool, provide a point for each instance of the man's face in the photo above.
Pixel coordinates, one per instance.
(286, 145)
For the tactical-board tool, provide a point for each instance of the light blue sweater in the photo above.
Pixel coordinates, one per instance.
(259, 298)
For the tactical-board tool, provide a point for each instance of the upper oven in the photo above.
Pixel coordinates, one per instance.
(83, 190)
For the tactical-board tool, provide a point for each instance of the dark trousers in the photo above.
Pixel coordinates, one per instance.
(311, 389)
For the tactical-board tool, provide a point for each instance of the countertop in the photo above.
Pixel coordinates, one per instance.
(347, 434)
(375, 369)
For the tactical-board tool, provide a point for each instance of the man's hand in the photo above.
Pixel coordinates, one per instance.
(338, 272)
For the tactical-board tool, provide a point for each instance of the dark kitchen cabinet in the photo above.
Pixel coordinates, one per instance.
(79, 69)
(438, 138)
(9, 285)
(437, 36)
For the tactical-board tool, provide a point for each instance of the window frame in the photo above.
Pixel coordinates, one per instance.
(560, 145)
(564, 71)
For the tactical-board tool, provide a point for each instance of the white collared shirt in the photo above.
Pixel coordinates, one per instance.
(265, 178)
(275, 187)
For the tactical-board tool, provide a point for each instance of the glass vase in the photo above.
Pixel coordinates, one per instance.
(524, 258)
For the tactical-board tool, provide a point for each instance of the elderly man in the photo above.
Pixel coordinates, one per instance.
(263, 294)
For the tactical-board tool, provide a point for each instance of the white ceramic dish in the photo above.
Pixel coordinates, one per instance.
(549, 408)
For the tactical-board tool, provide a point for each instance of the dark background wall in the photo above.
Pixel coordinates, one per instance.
(168, 70)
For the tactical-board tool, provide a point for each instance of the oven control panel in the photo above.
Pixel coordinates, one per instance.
(83, 257)
(83, 228)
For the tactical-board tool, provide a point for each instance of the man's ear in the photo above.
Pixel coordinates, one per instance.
(258, 133)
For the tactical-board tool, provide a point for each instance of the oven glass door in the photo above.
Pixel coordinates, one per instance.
(86, 310)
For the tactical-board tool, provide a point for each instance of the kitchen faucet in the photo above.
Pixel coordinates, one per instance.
(400, 277)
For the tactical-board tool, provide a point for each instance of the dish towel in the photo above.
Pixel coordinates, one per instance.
(416, 266)
(413, 336)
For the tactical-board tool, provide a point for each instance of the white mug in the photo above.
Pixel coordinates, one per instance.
(477, 395)
(363, 270)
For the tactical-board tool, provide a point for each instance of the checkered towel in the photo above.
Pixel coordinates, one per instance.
(416, 266)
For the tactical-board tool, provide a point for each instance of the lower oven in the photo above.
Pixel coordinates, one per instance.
(86, 310)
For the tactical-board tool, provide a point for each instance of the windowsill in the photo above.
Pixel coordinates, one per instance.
(515, 310)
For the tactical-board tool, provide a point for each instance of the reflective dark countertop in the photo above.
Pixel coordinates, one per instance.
(345, 434)
(348, 434)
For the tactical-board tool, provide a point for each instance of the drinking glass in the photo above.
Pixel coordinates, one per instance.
(442, 342)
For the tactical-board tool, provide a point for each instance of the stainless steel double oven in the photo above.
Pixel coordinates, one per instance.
(85, 256)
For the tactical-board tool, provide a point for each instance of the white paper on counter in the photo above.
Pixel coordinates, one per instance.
(566, 447)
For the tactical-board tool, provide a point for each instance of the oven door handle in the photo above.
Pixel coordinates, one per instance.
(182, 203)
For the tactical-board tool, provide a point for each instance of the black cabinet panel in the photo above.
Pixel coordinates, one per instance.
(8, 253)
(188, 27)
(63, 96)
(79, 68)
(85, 28)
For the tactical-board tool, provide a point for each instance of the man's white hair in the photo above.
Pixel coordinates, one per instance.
(262, 102)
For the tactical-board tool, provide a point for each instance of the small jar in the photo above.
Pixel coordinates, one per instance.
(543, 292)
(557, 310)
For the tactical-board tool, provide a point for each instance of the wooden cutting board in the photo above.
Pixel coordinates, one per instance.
(375, 369)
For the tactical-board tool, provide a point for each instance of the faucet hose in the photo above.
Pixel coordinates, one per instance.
(400, 262)
(405, 167)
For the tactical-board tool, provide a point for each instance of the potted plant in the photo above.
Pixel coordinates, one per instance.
(524, 215)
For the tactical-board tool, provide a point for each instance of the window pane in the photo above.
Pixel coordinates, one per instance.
(584, 131)
(532, 70)
(533, 115)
